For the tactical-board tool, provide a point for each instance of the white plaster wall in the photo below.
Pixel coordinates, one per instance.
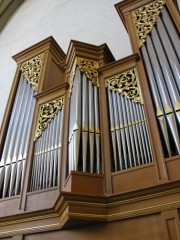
(91, 21)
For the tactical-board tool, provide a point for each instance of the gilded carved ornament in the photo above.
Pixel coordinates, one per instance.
(47, 112)
(126, 83)
(32, 69)
(144, 19)
(88, 67)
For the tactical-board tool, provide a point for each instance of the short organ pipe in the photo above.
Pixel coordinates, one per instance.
(45, 173)
(130, 140)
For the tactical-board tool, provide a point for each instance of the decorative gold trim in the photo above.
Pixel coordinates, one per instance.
(43, 228)
(90, 204)
(103, 217)
(30, 219)
(126, 83)
(87, 66)
(122, 202)
(127, 125)
(47, 112)
(125, 213)
(32, 69)
(144, 19)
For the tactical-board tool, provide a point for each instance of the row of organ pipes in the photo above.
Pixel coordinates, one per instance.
(14, 152)
(47, 152)
(129, 136)
(84, 129)
(161, 55)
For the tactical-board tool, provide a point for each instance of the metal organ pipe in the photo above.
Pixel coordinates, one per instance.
(171, 55)
(168, 76)
(47, 154)
(126, 129)
(84, 121)
(171, 29)
(129, 135)
(122, 135)
(130, 128)
(84, 129)
(91, 125)
(157, 100)
(161, 57)
(97, 129)
(112, 129)
(15, 147)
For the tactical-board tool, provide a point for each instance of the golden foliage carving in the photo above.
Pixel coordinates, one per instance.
(32, 69)
(87, 66)
(126, 83)
(144, 19)
(47, 112)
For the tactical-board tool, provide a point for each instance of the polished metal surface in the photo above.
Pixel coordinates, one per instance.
(47, 149)
(84, 126)
(172, 32)
(129, 136)
(170, 53)
(16, 141)
(161, 58)
(168, 76)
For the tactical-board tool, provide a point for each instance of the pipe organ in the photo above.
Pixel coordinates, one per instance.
(87, 139)
(160, 53)
(84, 127)
(14, 152)
(129, 136)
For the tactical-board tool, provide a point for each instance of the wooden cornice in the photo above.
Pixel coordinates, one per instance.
(42, 46)
(72, 209)
(100, 53)
(119, 63)
(127, 6)
(52, 90)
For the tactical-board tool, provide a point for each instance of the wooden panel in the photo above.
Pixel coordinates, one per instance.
(85, 183)
(173, 168)
(10, 238)
(41, 199)
(149, 227)
(139, 177)
(9, 206)
(20, 237)
(54, 75)
(171, 224)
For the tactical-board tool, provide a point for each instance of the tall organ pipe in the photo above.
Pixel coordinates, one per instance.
(168, 47)
(160, 54)
(15, 148)
(157, 100)
(173, 34)
(168, 76)
(91, 125)
(84, 129)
